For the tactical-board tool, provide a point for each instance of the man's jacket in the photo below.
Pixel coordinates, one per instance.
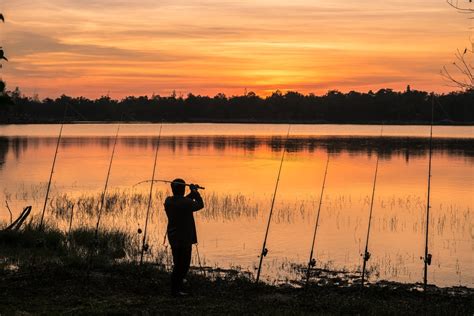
(181, 227)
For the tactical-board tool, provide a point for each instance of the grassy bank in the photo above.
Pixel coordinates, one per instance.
(46, 272)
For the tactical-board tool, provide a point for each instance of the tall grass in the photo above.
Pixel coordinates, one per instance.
(49, 242)
(125, 209)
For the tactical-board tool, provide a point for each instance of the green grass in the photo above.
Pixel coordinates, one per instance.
(32, 244)
(30, 236)
(109, 244)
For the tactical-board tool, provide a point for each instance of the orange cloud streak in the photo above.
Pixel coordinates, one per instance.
(205, 47)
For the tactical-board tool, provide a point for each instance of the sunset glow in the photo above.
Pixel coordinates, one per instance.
(98, 47)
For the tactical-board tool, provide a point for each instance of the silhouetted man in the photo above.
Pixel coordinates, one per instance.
(181, 230)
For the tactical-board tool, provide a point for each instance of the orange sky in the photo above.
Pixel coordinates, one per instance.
(118, 47)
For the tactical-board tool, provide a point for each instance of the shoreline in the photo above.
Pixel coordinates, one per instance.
(236, 122)
(47, 271)
(134, 289)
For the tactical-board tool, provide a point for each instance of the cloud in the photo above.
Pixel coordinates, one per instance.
(202, 46)
(29, 43)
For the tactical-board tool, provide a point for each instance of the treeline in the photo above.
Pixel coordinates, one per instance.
(385, 105)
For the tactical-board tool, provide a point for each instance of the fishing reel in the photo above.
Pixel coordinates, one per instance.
(366, 256)
(428, 259)
(264, 252)
(312, 263)
(146, 247)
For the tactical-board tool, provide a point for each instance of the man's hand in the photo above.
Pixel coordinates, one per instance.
(196, 197)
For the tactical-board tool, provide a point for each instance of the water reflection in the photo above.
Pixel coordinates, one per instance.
(239, 173)
(4, 146)
(387, 146)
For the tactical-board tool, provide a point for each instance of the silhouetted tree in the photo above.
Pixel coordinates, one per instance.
(460, 73)
(5, 100)
(385, 105)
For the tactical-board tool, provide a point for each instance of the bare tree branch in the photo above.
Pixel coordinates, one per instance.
(457, 6)
(460, 74)
(10, 211)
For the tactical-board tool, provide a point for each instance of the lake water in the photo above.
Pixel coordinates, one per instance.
(238, 165)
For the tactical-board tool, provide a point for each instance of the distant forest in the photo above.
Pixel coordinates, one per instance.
(385, 105)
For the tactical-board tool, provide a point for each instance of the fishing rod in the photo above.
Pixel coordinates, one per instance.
(264, 249)
(96, 234)
(428, 256)
(70, 225)
(366, 255)
(199, 261)
(52, 168)
(171, 182)
(152, 182)
(312, 261)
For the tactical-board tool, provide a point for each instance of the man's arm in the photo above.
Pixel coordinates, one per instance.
(196, 200)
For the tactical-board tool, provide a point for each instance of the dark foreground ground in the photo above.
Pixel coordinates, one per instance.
(130, 289)
(47, 272)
